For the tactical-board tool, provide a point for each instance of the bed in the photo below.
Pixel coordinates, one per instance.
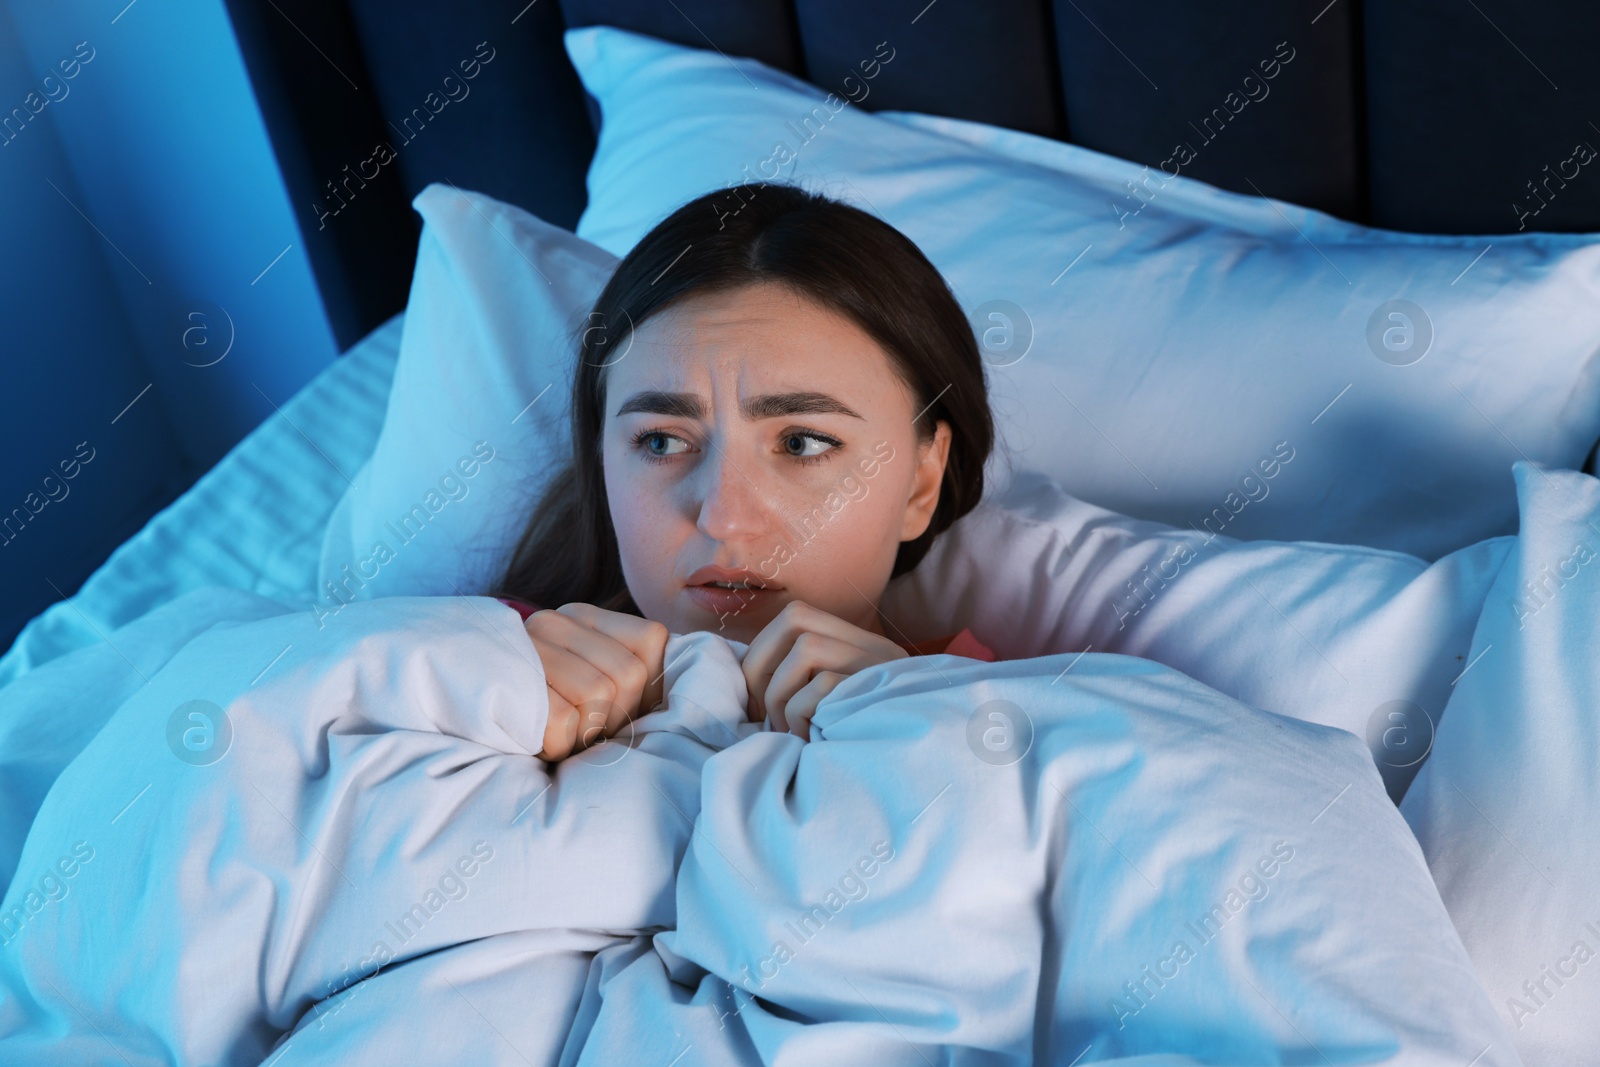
(677, 955)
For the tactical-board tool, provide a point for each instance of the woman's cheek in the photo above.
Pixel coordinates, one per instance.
(628, 503)
(848, 542)
(634, 511)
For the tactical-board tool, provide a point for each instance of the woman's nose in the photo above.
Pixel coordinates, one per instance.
(732, 505)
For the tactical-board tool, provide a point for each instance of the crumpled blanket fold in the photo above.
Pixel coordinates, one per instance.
(304, 841)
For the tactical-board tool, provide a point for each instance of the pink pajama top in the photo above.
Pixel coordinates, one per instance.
(960, 644)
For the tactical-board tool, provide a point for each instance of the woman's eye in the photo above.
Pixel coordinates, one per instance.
(801, 439)
(649, 439)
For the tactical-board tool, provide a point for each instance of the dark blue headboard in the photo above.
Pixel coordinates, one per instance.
(1445, 116)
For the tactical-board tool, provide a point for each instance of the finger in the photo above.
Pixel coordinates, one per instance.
(769, 647)
(775, 642)
(810, 654)
(571, 730)
(803, 705)
(593, 725)
(561, 728)
(596, 668)
(645, 638)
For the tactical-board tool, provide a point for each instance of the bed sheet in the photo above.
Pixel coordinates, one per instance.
(253, 522)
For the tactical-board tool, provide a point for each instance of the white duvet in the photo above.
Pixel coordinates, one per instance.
(294, 844)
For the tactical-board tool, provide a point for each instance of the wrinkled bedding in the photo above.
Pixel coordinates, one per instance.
(247, 835)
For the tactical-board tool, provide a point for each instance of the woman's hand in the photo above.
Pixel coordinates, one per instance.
(799, 657)
(601, 668)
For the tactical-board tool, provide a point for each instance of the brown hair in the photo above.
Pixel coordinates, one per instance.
(763, 232)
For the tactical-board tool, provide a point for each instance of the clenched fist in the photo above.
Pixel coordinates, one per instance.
(602, 669)
(800, 657)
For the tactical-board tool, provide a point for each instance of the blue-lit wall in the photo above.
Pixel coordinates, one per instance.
(146, 239)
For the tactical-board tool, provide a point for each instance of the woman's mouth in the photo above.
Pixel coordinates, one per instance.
(729, 598)
(729, 590)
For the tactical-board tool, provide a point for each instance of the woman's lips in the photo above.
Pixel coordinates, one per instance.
(721, 601)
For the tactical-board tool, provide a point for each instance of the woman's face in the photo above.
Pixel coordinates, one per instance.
(758, 431)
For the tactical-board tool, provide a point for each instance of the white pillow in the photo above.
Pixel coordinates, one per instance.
(478, 407)
(1326, 633)
(1364, 639)
(1507, 809)
(1154, 341)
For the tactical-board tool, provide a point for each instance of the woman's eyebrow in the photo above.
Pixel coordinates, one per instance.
(767, 406)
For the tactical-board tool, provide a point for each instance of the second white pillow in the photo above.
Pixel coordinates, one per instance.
(1363, 639)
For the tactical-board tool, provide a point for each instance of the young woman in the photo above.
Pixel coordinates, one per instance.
(778, 405)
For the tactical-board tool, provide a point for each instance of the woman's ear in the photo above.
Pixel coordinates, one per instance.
(925, 483)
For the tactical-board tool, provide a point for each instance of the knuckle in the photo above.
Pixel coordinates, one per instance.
(636, 676)
(577, 611)
(593, 725)
(601, 689)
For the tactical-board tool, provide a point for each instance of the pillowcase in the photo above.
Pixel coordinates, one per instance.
(1363, 639)
(477, 413)
(1327, 633)
(1155, 344)
(1507, 809)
